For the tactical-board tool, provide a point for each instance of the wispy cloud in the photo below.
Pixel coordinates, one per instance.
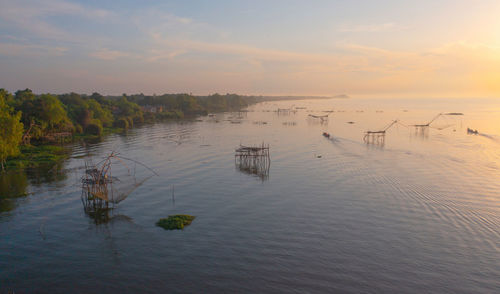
(13, 49)
(32, 16)
(107, 54)
(154, 55)
(354, 67)
(371, 28)
(155, 20)
(169, 47)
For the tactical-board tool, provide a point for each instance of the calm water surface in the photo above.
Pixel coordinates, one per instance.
(419, 214)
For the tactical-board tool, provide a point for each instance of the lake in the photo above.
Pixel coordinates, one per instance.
(417, 214)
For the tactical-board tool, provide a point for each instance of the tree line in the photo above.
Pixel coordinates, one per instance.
(27, 118)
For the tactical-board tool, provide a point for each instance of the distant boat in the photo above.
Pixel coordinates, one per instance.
(471, 131)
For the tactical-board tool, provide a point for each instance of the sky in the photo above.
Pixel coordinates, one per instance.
(386, 48)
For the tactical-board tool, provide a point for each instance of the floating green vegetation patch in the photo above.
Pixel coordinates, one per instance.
(175, 222)
(36, 156)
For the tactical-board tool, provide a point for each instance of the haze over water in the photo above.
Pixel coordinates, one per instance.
(419, 214)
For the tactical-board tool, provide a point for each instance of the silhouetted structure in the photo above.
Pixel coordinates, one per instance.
(254, 160)
(421, 127)
(378, 137)
(101, 191)
(322, 118)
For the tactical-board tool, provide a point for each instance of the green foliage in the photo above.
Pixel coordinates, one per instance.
(36, 156)
(121, 123)
(130, 121)
(176, 114)
(127, 108)
(47, 116)
(47, 113)
(191, 105)
(216, 102)
(138, 119)
(83, 110)
(99, 98)
(77, 108)
(11, 131)
(228, 102)
(21, 96)
(53, 112)
(94, 128)
(25, 94)
(9, 99)
(78, 129)
(175, 222)
(102, 114)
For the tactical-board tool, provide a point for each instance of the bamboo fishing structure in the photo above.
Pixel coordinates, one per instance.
(283, 111)
(99, 187)
(378, 137)
(95, 191)
(320, 117)
(422, 130)
(423, 126)
(254, 160)
(286, 111)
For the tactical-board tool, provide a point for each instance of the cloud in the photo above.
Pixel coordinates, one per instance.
(13, 49)
(107, 54)
(32, 16)
(183, 54)
(451, 68)
(231, 49)
(171, 18)
(154, 20)
(370, 28)
(157, 54)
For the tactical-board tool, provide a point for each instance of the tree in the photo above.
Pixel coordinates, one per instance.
(100, 113)
(45, 113)
(77, 108)
(26, 94)
(99, 98)
(128, 108)
(11, 131)
(52, 111)
(9, 99)
(187, 103)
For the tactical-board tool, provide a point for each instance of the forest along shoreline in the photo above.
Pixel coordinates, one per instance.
(35, 128)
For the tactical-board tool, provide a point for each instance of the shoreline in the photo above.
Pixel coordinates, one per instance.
(46, 153)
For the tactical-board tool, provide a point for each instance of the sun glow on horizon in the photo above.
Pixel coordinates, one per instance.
(386, 48)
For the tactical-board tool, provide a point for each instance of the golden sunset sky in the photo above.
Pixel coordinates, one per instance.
(276, 47)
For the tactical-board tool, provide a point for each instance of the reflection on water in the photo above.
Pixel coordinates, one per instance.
(338, 215)
(47, 173)
(261, 171)
(317, 120)
(13, 184)
(254, 160)
(421, 132)
(101, 212)
(96, 208)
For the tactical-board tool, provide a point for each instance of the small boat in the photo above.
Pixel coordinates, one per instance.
(471, 131)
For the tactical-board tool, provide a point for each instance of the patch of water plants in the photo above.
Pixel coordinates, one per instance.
(35, 156)
(175, 222)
